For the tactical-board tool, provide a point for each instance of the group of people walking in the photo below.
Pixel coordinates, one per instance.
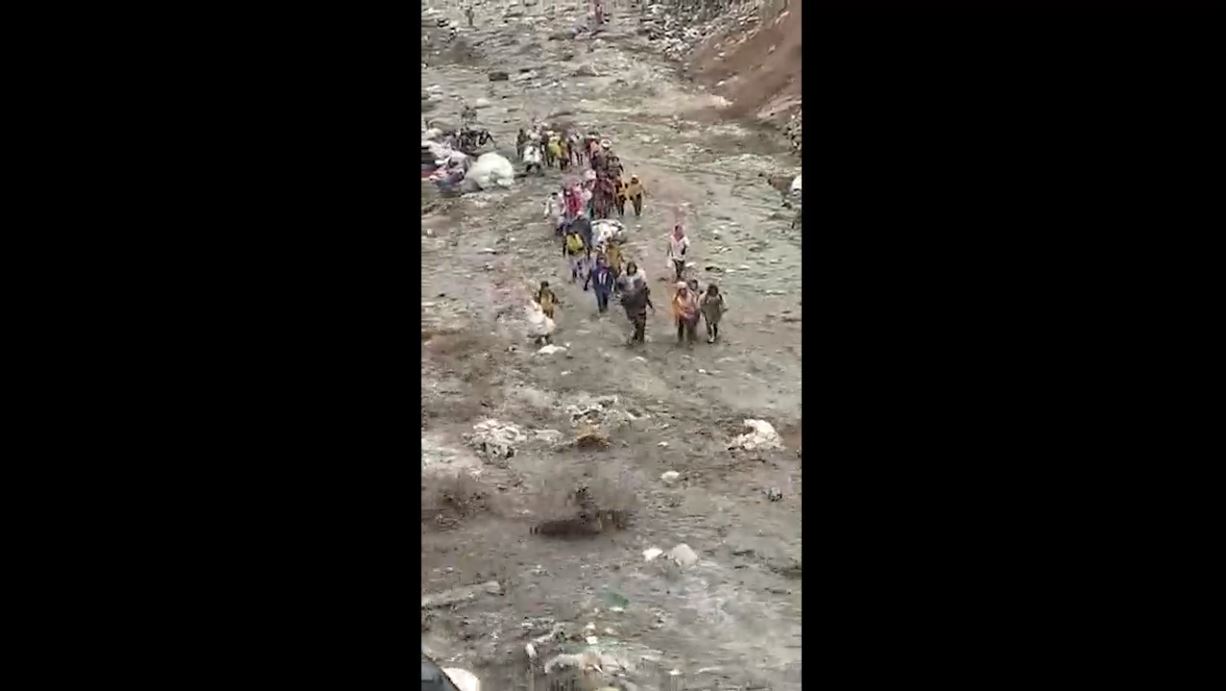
(598, 262)
(603, 190)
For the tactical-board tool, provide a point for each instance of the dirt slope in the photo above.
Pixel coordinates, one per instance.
(759, 71)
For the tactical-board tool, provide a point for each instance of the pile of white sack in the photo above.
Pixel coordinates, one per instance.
(491, 170)
(540, 325)
(606, 229)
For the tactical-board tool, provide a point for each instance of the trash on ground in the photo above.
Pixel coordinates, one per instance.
(652, 553)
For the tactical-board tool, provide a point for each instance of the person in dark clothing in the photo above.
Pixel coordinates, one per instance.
(602, 279)
(713, 307)
(637, 303)
(584, 227)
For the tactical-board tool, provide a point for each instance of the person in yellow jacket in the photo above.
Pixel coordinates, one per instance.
(634, 191)
(614, 257)
(555, 152)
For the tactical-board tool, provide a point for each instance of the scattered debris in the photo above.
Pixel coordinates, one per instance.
(652, 553)
(773, 494)
(462, 594)
(495, 441)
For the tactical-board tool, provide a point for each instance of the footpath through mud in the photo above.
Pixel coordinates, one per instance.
(730, 619)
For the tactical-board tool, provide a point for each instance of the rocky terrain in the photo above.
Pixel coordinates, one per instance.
(687, 573)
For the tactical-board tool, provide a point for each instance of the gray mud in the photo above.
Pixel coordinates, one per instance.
(733, 620)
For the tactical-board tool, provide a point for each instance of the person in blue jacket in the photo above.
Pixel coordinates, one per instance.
(602, 279)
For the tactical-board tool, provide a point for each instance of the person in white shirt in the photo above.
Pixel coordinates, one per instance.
(556, 211)
(532, 157)
(678, 244)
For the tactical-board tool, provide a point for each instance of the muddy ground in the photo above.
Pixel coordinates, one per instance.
(732, 620)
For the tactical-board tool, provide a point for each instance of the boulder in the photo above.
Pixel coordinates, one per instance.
(761, 436)
(683, 555)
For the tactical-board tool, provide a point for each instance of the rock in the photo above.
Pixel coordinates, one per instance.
(584, 70)
(550, 349)
(481, 103)
(669, 476)
(550, 436)
(683, 555)
(761, 436)
(773, 494)
(462, 594)
(592, 438)
(530, 651)
(587, 660)
(497, 76)
(652, 553)
(591, 640)
(663, 444)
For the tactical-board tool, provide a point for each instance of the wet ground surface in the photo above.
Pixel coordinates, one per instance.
(732, 620)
